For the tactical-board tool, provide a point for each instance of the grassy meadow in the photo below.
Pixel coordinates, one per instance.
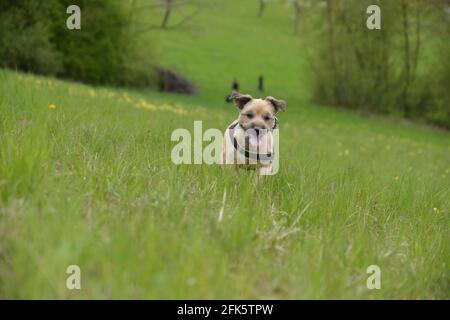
(86, 178)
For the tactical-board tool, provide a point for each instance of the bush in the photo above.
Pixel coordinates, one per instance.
(171, 81)
(34, 37)
(25, 36)
(383, 71)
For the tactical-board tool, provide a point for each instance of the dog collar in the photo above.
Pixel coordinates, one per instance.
(246, 153)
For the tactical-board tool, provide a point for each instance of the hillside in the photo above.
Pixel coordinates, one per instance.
(90, 182)
(227, 40)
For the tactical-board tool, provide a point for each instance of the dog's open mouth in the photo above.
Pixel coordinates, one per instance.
(254, 140)
(255, 137)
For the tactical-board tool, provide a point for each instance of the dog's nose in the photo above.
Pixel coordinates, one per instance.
(259, 130)
(257, 126)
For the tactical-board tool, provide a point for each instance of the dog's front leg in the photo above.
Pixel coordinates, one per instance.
(260, 173)
(265, 170)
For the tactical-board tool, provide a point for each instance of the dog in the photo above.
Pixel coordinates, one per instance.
(248, 141)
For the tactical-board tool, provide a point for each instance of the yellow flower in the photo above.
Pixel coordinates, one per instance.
(146, 105)
(436, 210)
(396, 177)
(51, 106)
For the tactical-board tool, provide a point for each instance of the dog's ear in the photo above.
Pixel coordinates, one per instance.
(277, 104)
(239, 99)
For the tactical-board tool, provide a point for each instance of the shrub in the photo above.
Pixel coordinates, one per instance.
(171, 81)
(25, 36)
(383, 71)
(34, 38)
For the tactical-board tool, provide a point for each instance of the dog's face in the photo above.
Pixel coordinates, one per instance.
(257, 116)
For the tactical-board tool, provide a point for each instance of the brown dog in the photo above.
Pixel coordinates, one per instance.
(248, 141)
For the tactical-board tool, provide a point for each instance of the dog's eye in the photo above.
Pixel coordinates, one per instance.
(249, 115)
(267, 118)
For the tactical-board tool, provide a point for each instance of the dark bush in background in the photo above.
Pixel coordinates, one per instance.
(171, 81)
(34, 38)
(26, 31)
(402, 69)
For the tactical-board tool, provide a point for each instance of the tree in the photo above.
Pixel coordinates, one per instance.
(186, 10)
(385, 70)
(262, 6)
(411, 50)
(296, 15)
(168, 10)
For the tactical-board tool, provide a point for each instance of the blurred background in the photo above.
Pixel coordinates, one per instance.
(300, 50)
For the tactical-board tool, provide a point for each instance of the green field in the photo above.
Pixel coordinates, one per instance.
(86, 178)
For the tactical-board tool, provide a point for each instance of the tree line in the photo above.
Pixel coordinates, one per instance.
(402, 69)
(34, 38)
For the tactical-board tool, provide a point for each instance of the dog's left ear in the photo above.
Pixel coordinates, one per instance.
(239, 99)
(277, 104)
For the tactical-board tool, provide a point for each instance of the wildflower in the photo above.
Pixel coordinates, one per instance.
(146, 105)
(396, 178)
(52, 106)
(437, 210)
(126, 97)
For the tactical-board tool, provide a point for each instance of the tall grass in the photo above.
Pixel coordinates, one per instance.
(90, 183)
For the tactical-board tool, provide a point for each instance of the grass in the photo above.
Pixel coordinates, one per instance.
(91, 183)
(227, 40)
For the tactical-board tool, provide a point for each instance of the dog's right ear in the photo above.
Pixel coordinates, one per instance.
(239, 99)
(277, 104)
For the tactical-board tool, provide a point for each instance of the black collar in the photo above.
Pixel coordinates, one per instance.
(245, 152)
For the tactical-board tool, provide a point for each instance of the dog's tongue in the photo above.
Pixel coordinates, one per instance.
(255, 140)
